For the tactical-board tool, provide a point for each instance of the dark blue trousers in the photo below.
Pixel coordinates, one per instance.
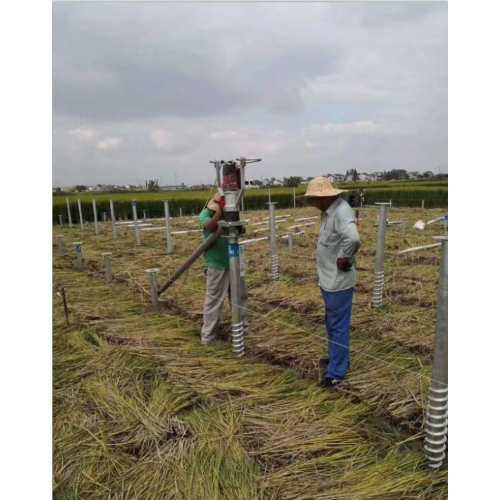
(338, 306)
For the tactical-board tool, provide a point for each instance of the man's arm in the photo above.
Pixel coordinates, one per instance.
(350, 242)
(212, 224)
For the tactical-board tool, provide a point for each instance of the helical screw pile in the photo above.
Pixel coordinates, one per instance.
(274, 267)
(378, 285)
(436, 426)
(378, 289)
(238, 341)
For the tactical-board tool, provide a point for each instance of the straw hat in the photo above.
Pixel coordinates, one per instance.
(321, 187)
(213, 204)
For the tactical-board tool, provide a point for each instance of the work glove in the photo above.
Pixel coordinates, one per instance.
(222, 204)
(344, 264)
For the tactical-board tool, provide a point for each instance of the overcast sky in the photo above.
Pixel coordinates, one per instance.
(156, 90)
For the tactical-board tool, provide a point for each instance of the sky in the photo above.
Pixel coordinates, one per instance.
(157, 90)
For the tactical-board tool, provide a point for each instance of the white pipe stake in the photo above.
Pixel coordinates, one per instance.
(80, 214)
(96, 221)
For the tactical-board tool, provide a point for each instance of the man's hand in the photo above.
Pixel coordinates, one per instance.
(344, 264)
(222, 204)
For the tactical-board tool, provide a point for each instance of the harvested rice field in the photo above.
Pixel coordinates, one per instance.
(142, 410)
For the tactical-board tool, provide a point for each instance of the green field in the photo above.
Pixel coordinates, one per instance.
(404, 194)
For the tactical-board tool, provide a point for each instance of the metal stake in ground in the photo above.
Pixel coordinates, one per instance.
(290, 242)
(60, 220)
(294, 203)
(272, 240)
(153, 287)
(80, 214)
(78, 251)
(241, 249)
(113, 219)
(423, 204)
(437, 414)
(104, 217)
(136, 224)
(403, 228)
(60, 245)
(69, 213)
(180, 211)
(378, 287)
(144, 214)
(235, 284)
(168, 231)
(107, 267)
(96, 221)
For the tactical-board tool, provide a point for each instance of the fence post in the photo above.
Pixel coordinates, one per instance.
(290, 242)
(269, 192)
(96, 221)
(69, 213)
(104, 217)
(378, 287)
(180, 211)
(167, 228)
(423, 204)
(242, 204)
(80, 214)
(78, 251)
(403, 228)
(294, 203)
(107, 266)
(153, 287)
(60, 245)
(113, 219)
(272, 240)
(437, 413)
(136, 223)
(60, 220)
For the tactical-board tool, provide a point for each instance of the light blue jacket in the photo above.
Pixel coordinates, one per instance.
(338, 238)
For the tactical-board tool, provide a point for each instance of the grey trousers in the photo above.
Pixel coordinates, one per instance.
(218, 287)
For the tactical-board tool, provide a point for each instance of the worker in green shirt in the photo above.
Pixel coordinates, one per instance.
(217, 270)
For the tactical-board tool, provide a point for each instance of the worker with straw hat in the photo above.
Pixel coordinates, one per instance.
(217, 271)
(337, 243)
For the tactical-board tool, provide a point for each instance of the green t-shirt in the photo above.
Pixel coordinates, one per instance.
(217, 256)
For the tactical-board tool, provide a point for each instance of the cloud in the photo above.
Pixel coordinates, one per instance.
(166, 87)
(82, 134)
(108, 144)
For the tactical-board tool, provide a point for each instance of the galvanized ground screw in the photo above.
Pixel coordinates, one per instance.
(80, 214)
(104, 217)
(294, 203)
(403, 228)
(378, 287)
(96, 221)
(69, 213)
(167, 228)
(60, 220)
(437, 414)
(113, 219)
(136, 224)
(423, 204)
(272, 240)
(290, 242)
(78, 251)
(242, 260)
(107, 267)
(153, 287)
(144, 214)
(60, 245)
(180, 211)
